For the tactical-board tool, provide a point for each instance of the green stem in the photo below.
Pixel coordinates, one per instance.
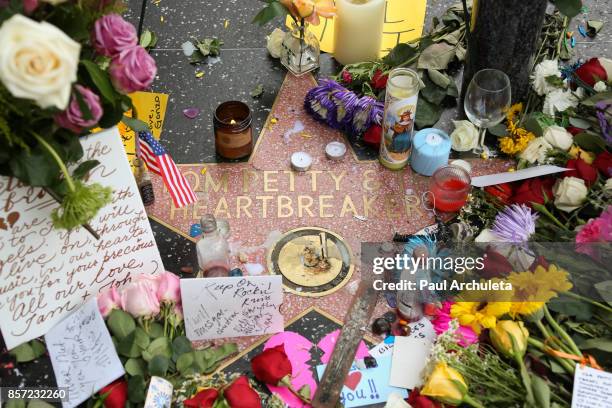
(472, 402)
(561, 332)
(549, 337)
(591, 301)
(542, 209)
(526, 380)
(57, 159)
(562, 361)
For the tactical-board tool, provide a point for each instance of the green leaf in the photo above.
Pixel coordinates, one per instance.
(532, 125)
(498, 130)
(432, 92)
(590, 142)
(36, 403)
(184, 362)
(141, 339)
(438, 78)
(399, 54)
(272, 10)
(127, 346)
(582, 311)
(601, 343)
(579, 123)
(84, 168)
(148, 39)
(101, 80)
(135, 366)
(121, 323)
(452, 90)
(36, 168)
(436, 56)
(136, 389)
(257, 91)
(136, 125)
(569, 8)
(28, 351)
(15, 403)
(427, 113)
(159, 365)
(155, 330)
(541, 391)
(180, 346)
(605, 290)
(159, 346)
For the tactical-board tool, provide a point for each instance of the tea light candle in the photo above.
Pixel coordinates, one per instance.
(233, 133)
(358, 30)
(450, 186)
(335, 150)
(301, 161)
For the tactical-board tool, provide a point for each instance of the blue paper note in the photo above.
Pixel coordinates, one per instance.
(368, 386)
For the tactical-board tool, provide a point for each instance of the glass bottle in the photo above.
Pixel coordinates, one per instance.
(410, 302)
(300, 50)
(143, 181)
(212, 249)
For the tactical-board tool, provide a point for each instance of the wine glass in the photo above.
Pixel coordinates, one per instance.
(486, 101)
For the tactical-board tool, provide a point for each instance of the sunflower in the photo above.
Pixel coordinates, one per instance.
(513, 111)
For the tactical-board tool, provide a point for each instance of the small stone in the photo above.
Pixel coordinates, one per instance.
(390, 317)
(381, 326)
(187, 269)
(370, 362)
(242, 257)
(236, 272)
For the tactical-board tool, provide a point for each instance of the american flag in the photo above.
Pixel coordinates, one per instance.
(159, 162)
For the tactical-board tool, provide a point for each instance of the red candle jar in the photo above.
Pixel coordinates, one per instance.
(450, 186)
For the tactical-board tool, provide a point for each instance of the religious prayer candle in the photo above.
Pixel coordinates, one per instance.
(358, 30)
(450, 186)
(233, 132)
(401, 99)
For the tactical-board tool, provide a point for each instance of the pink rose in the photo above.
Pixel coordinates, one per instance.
(150, 280)
(29, 6)
(112, 34)
(72, 118)
(176, 317)
(132, 70)
(139, 299)
(108, 300)
(169, 289)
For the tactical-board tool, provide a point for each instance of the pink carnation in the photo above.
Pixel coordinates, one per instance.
(596, 230)
(442, 320)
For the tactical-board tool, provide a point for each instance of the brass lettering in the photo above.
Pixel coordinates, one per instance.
(210, 183)
(264, 204)
(412, 202)
(222, 209)
(269, 182)
(323, 206)
(284, 203)
(304, 207)
(243, 207)
(337, 178)
(370, 182)
(348, 205)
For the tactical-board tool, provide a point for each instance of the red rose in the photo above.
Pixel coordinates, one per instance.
(347, 77)
(203, 399)
(503, 192)
(603, 163)
(115, 394)
(272, 365)
(533, 190)
(591, 72)
(495, 264)
(373, 135)
(539, 261)
(574, 130)
(416, 400)
(581, 169)
(239, 394)
(379, 80)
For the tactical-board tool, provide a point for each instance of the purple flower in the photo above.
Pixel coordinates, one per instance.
(73, 119)
(515, 223)
(367, 112)
(132, 70)
(112, 35)
(606, 127)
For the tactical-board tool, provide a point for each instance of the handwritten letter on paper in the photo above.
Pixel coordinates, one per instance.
(592, 388)
(82, 353)
(232, 307)
(46, 273)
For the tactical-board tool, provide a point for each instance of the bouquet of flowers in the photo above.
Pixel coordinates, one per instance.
(67, 68)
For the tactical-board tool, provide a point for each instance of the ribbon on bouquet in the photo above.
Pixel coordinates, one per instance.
(585, 359)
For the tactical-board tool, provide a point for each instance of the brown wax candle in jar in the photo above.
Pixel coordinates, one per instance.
(233, 133)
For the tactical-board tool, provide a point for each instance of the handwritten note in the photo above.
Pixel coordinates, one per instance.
(82, 353)
(368, 386)
(232, 307)
(422, 329)
(592, 388)
(46, 273)
(409, 358)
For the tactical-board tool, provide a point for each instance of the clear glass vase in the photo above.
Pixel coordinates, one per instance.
(300, 50)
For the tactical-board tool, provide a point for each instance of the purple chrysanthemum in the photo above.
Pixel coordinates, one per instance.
(368, 111)
(515, 223)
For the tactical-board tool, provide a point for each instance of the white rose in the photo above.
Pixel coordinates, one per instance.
(600, 86)
(536, 150)
(275, 41)
(543, 70)
(465, 136)
(559, 100)
(608, 187)
(558, 137)
(607, 66)
(38, 61)
(570, 193)
(395, 400)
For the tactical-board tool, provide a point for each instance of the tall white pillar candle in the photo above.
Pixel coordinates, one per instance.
(358, 30)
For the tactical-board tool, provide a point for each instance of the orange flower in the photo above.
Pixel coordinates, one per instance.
(310, 10)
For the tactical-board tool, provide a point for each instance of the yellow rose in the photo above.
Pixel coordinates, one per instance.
(38, 61)
(446, 385)
(576, 152)
(502, 336)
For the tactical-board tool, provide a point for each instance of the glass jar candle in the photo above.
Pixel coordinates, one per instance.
(450, 186)
(233, 132)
